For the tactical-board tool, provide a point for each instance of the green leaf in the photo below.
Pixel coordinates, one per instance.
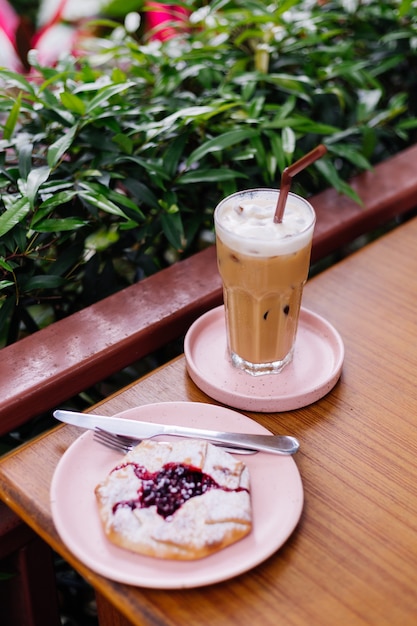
(67, 259)
(155, 171)
(44, 281)
(126, 202)
(114, 8)
(57, 199)
(13, 79)
(301, 124)
(404, 8)
(72, 102)
(330, 174)
(291, 83)
(174, 153)
(352, 155)
(124, 142)
(207, 176)
(287, 108)
(369, 100)
(34, 180)
(59, 225)
(221, 142)
(12, 117)
(101, 202)
(25, 159)
(106, 93)
(187, 115)
(7, 306)
(260, 153)
(143, 194)
(114, 196)
(57, 150)
(101, 240)
(277, 149)
(5, 265)
(408, 124)
(14, 214)
(173, 229)
(345, 189)
(288, 141)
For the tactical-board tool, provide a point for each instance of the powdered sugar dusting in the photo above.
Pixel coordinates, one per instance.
(201, 525)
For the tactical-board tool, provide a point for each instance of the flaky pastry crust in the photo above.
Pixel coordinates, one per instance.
(136, 501)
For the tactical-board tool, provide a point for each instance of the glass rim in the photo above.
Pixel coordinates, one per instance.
(267, 190)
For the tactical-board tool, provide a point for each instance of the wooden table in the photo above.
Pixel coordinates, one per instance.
(353, 557)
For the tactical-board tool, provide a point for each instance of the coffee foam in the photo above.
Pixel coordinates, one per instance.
(245, 223)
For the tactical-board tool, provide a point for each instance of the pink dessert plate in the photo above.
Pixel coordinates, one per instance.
(313, 372)
(276, 495)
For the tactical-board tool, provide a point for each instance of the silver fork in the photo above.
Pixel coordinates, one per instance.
(123, 443)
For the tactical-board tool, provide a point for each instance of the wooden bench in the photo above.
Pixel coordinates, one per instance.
(45, 369)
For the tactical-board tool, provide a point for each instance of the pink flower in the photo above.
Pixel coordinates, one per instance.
(9, 24)
(52, 41)
(175, 18)
(56, 35)
(62, 30)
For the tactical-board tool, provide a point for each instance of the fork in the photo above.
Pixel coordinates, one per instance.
(123, 443)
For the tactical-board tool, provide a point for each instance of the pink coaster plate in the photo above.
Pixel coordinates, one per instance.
(314, 371)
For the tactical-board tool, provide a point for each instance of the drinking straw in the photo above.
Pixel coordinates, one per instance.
(289, 172)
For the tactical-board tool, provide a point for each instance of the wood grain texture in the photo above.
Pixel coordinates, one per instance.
(353, 557)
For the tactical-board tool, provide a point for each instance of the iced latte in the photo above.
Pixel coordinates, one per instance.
(264, 266)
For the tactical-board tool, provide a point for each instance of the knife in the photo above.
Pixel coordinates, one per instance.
(276, 444)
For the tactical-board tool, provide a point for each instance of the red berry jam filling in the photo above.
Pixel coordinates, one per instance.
(169, 488)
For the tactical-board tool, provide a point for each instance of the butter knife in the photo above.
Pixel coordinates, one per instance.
(275, 444)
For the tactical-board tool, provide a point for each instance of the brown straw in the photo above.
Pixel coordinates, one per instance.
(291, 171)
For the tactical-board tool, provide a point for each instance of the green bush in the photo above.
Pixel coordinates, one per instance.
(111, 164)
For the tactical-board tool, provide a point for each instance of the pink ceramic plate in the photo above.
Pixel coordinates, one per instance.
(277, 501)
(315, 369)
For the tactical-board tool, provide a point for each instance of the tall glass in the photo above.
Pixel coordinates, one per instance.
(263, 266)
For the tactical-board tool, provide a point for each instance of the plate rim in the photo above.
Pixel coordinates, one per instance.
(199, 579)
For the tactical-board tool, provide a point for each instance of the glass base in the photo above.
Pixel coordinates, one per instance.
(259, 369)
